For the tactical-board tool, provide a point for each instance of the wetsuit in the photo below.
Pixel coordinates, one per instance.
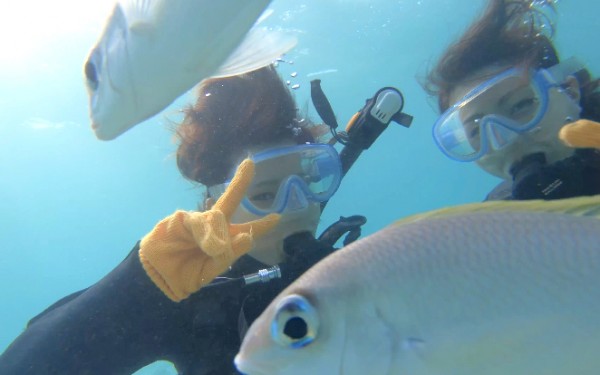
(124, 322)
(577, 175)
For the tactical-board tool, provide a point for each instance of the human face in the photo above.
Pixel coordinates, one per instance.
(545, 108)
(292, 181)
(268, 249)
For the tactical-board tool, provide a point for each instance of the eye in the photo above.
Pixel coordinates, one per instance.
(91, 70)
(296, 322)
(262, 200)
(91, 75)
(473, 132)
(263, 197)
(472, 127)
(523, 107)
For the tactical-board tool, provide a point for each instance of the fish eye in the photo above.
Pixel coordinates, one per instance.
(92, 69)
(91, 75)
(296, 322)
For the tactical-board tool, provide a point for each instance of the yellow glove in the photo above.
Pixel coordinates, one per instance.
(581, 133)
(187, 250)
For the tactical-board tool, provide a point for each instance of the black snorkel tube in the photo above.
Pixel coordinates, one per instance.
(365, 126)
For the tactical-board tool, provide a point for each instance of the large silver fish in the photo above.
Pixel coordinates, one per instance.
(500, 288)
(153, 51)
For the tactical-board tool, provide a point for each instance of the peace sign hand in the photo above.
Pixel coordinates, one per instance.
(187, 250)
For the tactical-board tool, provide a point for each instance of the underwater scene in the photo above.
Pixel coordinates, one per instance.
(125, 200)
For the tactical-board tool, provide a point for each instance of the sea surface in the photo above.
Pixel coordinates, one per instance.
(72, 207)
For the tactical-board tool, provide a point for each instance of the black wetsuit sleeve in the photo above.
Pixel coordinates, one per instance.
(116, 326)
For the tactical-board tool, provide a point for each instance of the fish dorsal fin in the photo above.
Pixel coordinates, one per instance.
(579, 206)
(141, 15)
(259, 48)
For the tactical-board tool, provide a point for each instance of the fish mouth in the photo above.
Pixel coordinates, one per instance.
(102, 134)
(249, 368)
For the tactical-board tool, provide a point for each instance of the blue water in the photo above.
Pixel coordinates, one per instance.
(73, 206)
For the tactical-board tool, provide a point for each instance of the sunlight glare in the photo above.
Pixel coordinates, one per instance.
(27, 27)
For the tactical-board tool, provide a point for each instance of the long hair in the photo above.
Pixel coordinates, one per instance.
(510, 32)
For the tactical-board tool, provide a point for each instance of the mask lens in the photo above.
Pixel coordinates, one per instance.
(321, 172)
(288, 178)
(494, 112)
(456, 140)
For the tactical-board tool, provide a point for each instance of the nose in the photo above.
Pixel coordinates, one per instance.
(296, 199)
(500, 136)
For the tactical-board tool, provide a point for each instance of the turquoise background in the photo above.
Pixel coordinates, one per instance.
(72, 206)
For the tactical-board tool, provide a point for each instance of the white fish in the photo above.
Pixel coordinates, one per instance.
(153, 51)
(499, 288)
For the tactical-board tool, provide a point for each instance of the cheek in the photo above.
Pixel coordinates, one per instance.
(494, 164)
(307, 219)
(241, 216)
(561, 110)
(544, 138)
(290, 223)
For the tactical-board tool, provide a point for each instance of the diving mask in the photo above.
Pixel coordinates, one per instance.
(289, 178)
(496, 112)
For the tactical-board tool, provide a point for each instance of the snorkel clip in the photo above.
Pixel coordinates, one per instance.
(264, 276)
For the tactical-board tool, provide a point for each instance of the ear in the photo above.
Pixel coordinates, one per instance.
(571, 86)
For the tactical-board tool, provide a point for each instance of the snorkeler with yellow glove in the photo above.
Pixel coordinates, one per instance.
(187, 250)
(190, 287)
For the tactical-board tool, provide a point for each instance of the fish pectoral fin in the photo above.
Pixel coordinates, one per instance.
(141, 15)
(260, 48)
(141, 28)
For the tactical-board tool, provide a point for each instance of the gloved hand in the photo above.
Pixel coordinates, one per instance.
(187, 250)
(574, 176)
(581, 134)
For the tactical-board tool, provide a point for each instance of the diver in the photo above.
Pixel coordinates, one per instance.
(188, 290)
(504, 95)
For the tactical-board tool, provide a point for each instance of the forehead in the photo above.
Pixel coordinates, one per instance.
(277, 164)
(473, 80)
(252, 150)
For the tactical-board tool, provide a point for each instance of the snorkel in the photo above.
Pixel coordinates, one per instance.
(363, 129)
(360, 133)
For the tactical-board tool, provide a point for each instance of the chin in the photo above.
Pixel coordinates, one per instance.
(499, 163)
(269, 248)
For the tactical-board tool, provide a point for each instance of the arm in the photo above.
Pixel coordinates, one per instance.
(116, 326)
(147, 308)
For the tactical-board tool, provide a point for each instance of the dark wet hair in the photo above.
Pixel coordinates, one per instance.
(232, 114)
(510, 32)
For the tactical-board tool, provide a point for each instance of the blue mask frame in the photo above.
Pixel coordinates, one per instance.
(320, 178)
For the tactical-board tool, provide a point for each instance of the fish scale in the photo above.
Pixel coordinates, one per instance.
(472, 293)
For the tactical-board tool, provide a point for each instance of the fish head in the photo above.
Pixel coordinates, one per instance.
(296, 334)
(109, 82)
